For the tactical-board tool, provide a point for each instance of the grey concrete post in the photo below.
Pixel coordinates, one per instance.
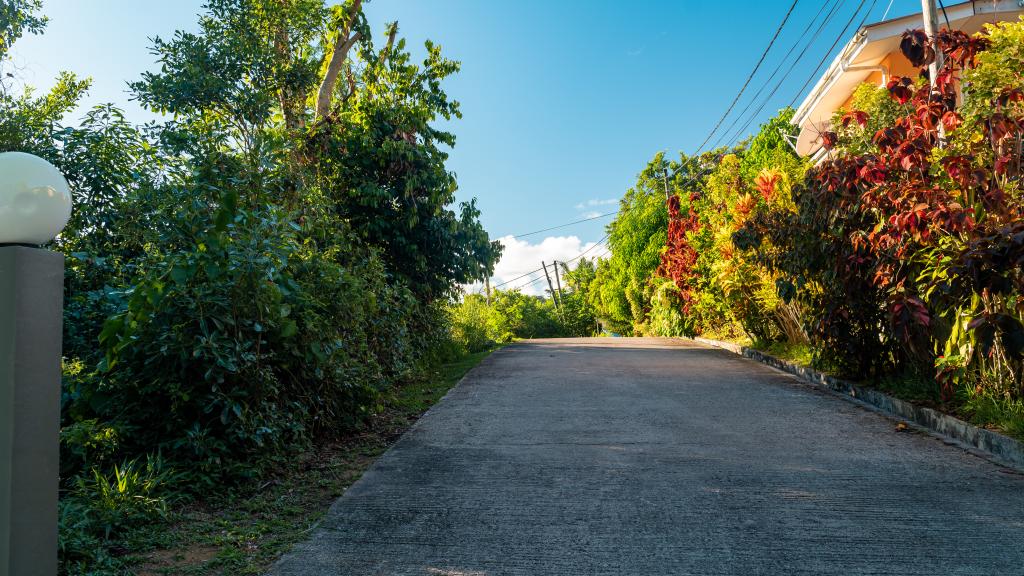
(31, 304)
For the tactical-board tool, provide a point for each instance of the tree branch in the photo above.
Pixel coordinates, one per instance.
(342, 44)
(392, 32)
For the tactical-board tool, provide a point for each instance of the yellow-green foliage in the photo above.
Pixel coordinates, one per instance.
(882, 111)
(621, 291)
(733, 294)
(511, 315)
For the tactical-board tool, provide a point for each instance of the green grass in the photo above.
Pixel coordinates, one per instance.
(245, 532)
(802, 354)
(916, 388)
(989, 411)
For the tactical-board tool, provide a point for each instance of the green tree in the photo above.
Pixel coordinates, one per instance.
(621, 290)
(577, 314)
(16, 18)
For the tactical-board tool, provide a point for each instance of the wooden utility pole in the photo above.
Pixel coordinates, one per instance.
(930, 12)
(558, 282)
(551, 287)
(487, 285)
(668, 195)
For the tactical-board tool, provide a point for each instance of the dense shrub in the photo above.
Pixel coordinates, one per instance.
(511, 315)
(700, 282)
(890, 238)
(471, 321)
(620, 293)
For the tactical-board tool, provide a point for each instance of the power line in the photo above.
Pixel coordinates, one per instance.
(828, 53)
(517, 278)
(718, 125)
(749, 78)
(577, 257)
(738, 133)
(539, 269)
(696, 176)
(595, 245)
(690, 180)
(821, 26)
(564, 225)
(521, 286)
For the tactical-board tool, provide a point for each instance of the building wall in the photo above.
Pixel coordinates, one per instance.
(897, 64)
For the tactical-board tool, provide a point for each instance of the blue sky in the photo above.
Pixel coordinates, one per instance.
(563, 101)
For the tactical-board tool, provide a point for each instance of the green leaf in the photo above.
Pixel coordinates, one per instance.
(289, 329)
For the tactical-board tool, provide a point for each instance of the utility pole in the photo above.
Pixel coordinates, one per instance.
(551, 287)
(668, 195)
(487, 285)
(558, 281)
(930, 12)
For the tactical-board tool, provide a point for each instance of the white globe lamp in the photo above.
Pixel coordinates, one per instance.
(35, 200)
(35, 205)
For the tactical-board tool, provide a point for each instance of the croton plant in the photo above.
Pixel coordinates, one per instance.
(912, 251)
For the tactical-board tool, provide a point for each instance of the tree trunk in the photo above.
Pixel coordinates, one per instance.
(342, 44)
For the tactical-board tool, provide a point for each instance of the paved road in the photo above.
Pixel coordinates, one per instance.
(655, 457)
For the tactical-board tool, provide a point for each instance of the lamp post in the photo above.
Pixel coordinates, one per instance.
(35, 205)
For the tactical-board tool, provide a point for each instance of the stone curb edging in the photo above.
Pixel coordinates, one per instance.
(985, 443)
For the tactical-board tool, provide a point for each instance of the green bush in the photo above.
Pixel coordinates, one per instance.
(81, 546)
(106, 505)
(470, 323)
(128, 495)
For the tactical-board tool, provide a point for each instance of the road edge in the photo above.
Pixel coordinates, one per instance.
(987, 444)
(274, 569)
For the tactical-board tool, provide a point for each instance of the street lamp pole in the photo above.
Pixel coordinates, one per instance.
(35, 204)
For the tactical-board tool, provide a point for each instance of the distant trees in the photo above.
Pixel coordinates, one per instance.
(514, 315)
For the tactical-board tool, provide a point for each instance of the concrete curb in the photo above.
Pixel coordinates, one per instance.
(990, 445)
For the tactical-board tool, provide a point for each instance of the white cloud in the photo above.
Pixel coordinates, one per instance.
(594, 202)
(591, 214)
(520, 257)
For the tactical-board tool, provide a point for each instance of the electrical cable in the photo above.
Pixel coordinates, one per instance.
(517, 278)
(828, 18)
(887, 8)
(749, 78)
(738, 133)
(564, 225)
(828, 53)
(724, 116)
(595, 245)
(577, 257)
(690, 181)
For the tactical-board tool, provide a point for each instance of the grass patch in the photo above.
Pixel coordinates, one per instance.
(915, 388)
(245, 532)
(989, 411)
(801, 354)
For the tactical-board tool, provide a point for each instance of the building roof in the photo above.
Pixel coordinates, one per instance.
(864, 56)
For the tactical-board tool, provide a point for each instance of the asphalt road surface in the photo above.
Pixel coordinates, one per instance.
(655, 457)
